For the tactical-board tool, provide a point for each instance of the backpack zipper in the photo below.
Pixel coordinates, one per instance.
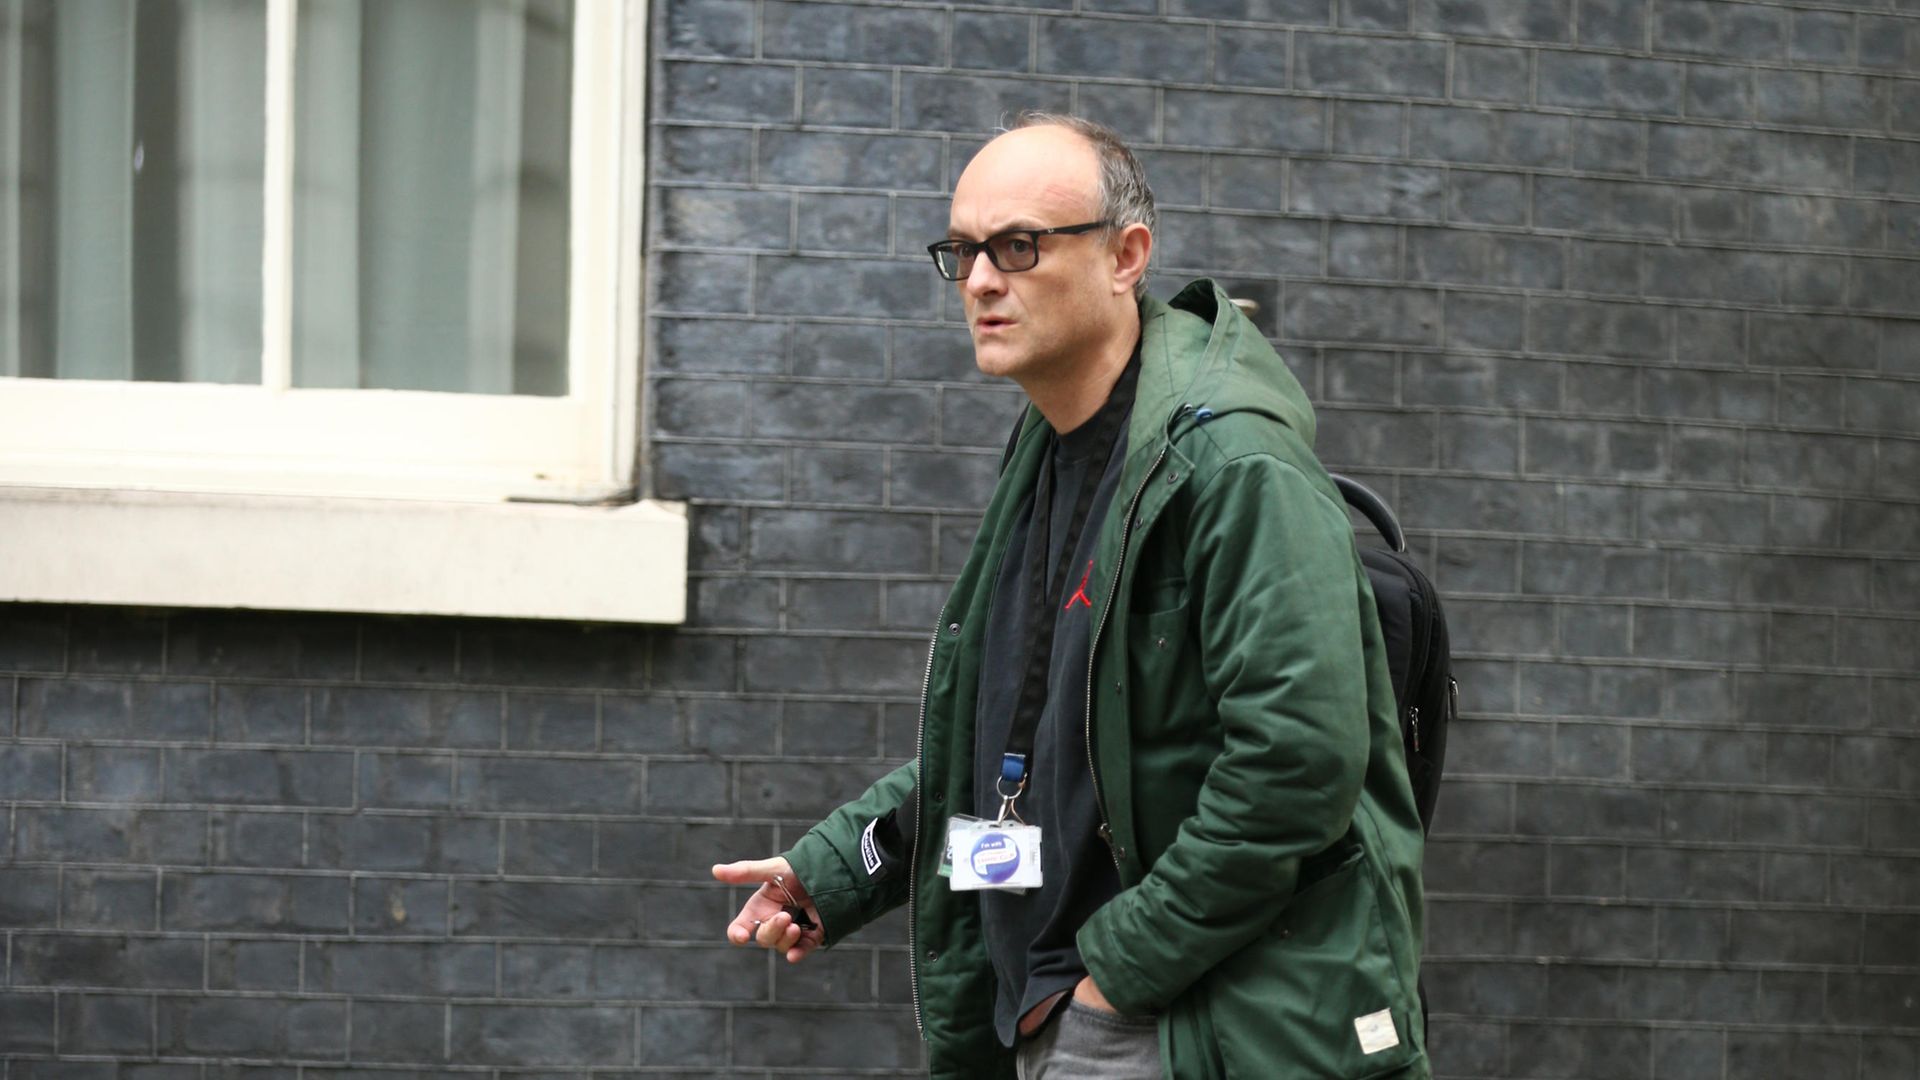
(1093, 648)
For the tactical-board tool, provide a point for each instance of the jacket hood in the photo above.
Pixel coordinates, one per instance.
(1209, 359)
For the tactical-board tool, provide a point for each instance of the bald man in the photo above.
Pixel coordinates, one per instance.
(1159, 823)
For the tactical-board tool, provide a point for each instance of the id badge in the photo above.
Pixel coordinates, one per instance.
(946, 855)
(992, 855)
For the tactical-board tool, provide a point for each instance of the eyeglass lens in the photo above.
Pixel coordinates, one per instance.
(1009, 253)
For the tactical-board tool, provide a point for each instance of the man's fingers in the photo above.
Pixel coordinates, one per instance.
(769, 933)
(751, 871)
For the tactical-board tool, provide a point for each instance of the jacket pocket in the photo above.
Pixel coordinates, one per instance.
(1162, 675)
(1305, 999)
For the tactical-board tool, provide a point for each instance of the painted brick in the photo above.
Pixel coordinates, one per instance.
(941, 103)
(249, 839)
(993, 41)
(724, 218)
(261, 645)
(107, 961)
(710, 28)
(259, 776)
(1372, 128)
(729, 346)
(534, 1035)
(1373, 65)
(1721, 93)
(1713, 28)
(1252, 58)
(813, 31)
(1888, 42)
(1464, 257)
(838, 540)
(834, 665)
(87, 708)
(532, 909)
(818, 286)
(839, 349)
(1112, 48)
(399, 906)
(1624, 84)
(1486, 198)
(1362, 314)
(58, 834)
(1251, 121)
(704, 283)
(1691, 153)
(1492, 73)
(1820, 98)
(700, 91)
(1266, 11)
(694, 153)
(1885, 168)
(500, 783)
(1131, 110)
(253, 965)
(886, 1041)
(254, 903)
(1536, 20)
(811, 158)
(252, 1027)
(1609, 146)
(398, 1032)
(846, 98)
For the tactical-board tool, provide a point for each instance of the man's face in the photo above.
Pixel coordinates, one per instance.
(1043, 320)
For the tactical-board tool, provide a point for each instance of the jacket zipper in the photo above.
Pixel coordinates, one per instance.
(1093, 648)
(913, 849)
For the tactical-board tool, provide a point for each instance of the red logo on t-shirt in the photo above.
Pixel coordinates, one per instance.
(1080, 593)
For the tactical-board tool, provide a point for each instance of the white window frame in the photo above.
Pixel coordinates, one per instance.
(440, 489)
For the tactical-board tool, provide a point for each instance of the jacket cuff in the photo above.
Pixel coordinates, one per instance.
(830, 885)
(1128, 987)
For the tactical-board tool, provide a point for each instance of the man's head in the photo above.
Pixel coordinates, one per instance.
(1080, 296)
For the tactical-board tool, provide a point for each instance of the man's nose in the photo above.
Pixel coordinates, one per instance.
(984, 278)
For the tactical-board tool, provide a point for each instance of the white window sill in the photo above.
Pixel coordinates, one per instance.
(301, 553)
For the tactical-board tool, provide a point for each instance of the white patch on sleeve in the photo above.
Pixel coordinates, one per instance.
(869, 853)
(1376, 1032)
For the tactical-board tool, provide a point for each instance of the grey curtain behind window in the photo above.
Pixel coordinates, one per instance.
(132, 152)
(431, 199)
(430, 203)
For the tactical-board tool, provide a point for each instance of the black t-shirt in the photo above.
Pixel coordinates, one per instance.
(1030, 936)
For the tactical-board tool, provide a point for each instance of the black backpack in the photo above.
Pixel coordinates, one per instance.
(1417, 651)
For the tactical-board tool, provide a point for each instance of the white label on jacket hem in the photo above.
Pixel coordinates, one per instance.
(1376, 1032)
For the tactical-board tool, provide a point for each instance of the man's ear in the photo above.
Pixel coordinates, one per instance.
(1131, 250)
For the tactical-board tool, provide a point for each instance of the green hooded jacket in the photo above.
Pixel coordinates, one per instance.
(1243, 742)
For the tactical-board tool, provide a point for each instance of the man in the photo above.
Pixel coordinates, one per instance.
(1162, 653)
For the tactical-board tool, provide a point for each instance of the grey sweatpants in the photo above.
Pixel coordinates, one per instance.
(1085, 1043)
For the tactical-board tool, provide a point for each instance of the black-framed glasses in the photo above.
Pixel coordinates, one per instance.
(1010, 252)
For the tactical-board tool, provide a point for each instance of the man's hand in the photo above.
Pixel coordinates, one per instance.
(1086, 993)
(761, 920)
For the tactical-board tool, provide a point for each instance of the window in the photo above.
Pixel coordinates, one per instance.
(339, 246)
(324, 304)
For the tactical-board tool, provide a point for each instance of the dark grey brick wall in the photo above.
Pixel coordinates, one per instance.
(1617, 300)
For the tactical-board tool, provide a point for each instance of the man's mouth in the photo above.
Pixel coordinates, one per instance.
(989, 323)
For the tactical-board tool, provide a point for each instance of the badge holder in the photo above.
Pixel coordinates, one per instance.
(1001, 854)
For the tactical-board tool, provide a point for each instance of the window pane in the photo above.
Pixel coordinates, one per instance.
(132, 151)
(431, 195)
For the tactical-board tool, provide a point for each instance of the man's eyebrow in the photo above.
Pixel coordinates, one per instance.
(1016, 225)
